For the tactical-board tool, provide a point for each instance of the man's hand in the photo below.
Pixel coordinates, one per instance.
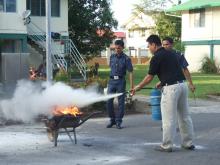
(132, 92)
(136, 88)
(192, 87)
(158, 85)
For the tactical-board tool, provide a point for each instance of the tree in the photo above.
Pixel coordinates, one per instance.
(166, 25)
(156, 5)
(90, 25)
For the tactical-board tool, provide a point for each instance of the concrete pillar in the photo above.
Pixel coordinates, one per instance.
(212, 52)
(108, 54)
(48, 41)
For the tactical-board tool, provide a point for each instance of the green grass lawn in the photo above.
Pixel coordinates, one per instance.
(205, 83)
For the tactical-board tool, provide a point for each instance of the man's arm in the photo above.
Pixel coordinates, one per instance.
(147, 79)
(186, 72)
(129, 68)
(189, 79)
(131, 79)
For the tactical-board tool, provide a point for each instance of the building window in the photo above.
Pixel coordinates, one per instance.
(38, 8)
(11, 46)
(1, 5)
(197, 18)
(131, 33)
(142, 32)
(7, 5)
(55, 8)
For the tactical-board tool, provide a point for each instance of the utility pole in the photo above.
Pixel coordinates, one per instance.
(48, 42)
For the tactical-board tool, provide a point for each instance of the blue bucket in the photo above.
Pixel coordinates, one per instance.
(155, 98)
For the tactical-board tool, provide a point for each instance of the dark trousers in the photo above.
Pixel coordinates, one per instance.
(116, 86)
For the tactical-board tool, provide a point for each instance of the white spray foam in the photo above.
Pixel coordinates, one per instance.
(31, 99)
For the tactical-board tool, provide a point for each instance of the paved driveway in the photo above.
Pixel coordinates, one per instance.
(97, 145)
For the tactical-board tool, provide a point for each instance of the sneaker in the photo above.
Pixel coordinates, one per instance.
(191, 147)
(161, 149)
(110, 125)
(118, 125)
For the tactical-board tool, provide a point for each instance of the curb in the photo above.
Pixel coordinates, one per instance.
(214, 97)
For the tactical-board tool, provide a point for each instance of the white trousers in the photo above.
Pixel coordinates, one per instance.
(174, 105)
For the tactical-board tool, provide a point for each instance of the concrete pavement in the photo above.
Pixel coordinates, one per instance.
(27, 144)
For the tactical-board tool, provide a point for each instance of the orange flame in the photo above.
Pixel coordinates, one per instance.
(71, 110)
(32, 73)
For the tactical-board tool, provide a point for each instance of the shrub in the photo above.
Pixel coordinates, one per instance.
(101, 83)
(208, 66)
(179, 46)
(62, 76)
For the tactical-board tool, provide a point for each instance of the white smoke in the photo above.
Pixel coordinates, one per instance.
(31, 99)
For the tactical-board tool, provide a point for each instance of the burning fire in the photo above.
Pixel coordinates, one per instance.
(71, 110)
(32, 73)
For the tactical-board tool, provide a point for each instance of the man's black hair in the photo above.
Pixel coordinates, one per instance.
(119, 42)
(154, 39)
(169, 39)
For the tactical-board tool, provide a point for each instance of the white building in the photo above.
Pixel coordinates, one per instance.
(135, 32)
(200, 30)
(23, 45)
(137, 29)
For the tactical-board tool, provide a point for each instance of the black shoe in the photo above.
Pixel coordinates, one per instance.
(118, 125)
(191, 147)
(110, 125)
(161, 149)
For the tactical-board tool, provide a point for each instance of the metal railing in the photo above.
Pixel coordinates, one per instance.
(37, 35)
(72, 51)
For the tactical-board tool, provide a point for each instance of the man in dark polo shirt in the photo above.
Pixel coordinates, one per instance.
(168, 45)
(174, 102)
(119, 64)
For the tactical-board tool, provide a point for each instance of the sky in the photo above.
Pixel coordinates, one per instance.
(122, 9)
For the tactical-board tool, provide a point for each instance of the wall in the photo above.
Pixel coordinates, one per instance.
(12, 22)
(34, 59)
(58, 24)
(136, 23)
(137, 41)
(194, 55)
(216, 23)
(209, 32)
(217, 54)
(200, 39)
(14, 66)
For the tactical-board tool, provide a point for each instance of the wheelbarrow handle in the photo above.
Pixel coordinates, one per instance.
(148, 88)
(88, 117)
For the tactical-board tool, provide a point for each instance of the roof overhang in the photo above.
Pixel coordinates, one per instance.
(194, 4)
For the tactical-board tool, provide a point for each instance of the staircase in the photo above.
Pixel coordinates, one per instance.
(75, 57)
(37, 40)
